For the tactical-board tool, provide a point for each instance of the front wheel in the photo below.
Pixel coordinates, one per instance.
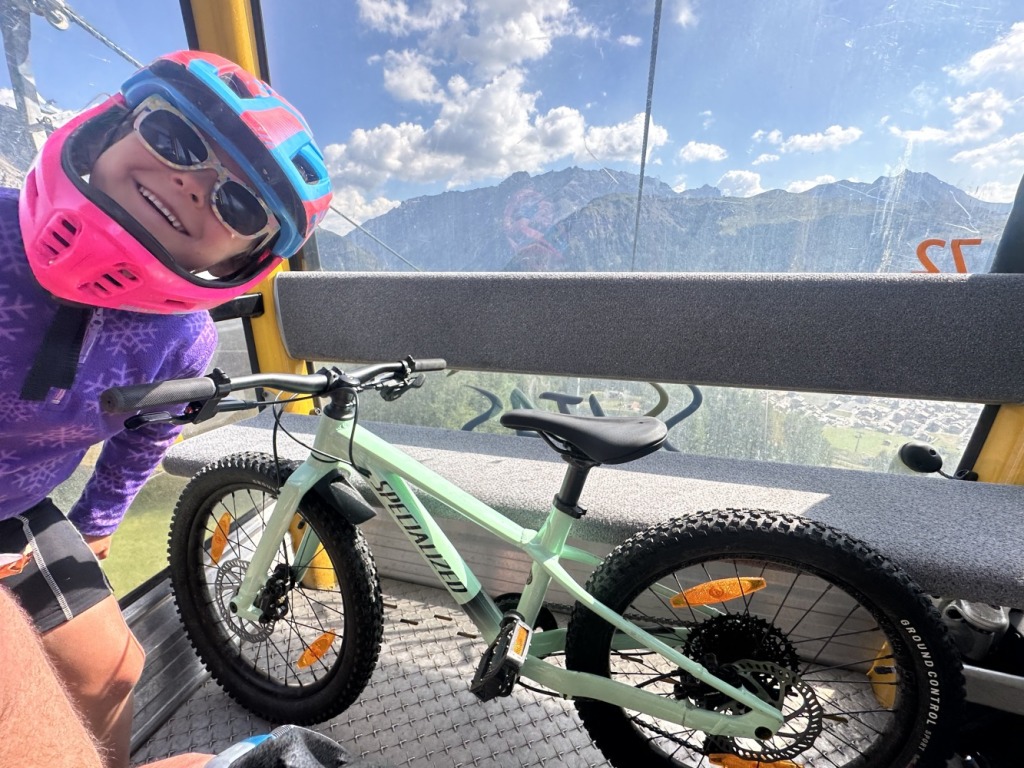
(313, 658)
(835, 636)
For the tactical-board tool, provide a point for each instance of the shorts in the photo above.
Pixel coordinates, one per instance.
(64, 578)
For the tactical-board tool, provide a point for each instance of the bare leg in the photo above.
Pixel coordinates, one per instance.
(39, 724)
(99, 660)
(190, 760)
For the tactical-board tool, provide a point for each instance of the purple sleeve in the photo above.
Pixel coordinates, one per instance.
(130, 457)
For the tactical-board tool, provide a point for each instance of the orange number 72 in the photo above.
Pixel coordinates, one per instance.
(955, 246)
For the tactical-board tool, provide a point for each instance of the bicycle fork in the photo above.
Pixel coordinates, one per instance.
(253, 602)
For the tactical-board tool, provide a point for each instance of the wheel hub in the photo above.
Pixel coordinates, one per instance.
(227, 584)
(754, 655)
(803, 714)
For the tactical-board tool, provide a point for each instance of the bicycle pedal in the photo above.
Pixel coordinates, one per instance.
(498, 671)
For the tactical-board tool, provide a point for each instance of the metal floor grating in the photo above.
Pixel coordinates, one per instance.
(417, 709)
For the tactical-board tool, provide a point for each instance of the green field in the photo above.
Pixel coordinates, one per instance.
(858, 448)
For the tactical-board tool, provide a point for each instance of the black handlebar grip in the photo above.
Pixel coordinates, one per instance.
(430, 364)
(135, 398)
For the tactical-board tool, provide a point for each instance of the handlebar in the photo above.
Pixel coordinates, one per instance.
(177, 391)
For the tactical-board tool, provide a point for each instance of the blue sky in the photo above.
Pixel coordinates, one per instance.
(411, 98)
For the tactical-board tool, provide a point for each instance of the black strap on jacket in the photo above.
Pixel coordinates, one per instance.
(56, 361)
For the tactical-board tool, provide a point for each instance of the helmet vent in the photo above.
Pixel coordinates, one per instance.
(306, 169)
(236, 84)
(115, 281)
(58, 236)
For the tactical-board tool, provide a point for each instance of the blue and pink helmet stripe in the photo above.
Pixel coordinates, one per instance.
(290, 172)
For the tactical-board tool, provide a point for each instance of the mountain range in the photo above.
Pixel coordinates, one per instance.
(584, 220)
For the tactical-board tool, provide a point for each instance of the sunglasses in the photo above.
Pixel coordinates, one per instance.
(178, 144)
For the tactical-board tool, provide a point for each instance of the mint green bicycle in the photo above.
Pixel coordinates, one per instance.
(730, 638)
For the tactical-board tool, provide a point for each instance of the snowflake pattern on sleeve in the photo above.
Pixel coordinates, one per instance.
(129, 457)
(14, 312)
(124, 333)
(38, 476)
(104, 380)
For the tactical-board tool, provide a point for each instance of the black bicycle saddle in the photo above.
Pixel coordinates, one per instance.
(600, 439)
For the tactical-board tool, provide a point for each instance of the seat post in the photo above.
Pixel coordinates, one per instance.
(568, 496)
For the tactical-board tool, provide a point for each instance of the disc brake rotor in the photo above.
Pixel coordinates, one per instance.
(786, 691)
(227, 583)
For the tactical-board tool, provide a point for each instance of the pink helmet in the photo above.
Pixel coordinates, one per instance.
(83, 247)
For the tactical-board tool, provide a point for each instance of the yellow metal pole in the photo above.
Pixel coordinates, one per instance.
(227, 27)
(1001, 459)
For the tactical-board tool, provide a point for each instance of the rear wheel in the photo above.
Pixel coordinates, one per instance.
(309, 663)
(837, 637)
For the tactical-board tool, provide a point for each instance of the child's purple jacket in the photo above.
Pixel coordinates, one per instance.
(42, 442)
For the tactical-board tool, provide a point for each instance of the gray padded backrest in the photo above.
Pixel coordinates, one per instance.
(946, 337)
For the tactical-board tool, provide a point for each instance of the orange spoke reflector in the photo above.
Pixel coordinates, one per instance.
(883, 677)
(316, 650)
(735, 761)
(718, 591)
(220, 537)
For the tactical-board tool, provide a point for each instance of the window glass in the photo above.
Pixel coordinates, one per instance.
(806, 136)
(851, 432)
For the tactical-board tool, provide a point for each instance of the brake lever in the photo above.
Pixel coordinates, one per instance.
(394, 388)
(140, 420)
(194, 413)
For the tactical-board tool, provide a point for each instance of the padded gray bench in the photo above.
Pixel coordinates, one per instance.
(956, 538)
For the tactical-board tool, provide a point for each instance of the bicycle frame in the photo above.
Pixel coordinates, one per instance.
(391, 473)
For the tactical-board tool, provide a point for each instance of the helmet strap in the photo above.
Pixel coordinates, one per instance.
(56, 362)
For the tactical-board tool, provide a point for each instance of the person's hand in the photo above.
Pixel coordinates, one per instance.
(100, 545)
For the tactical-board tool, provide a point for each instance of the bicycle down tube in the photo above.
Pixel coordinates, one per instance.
(390, 473)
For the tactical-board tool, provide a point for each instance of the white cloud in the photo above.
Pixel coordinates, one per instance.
(765, 158)
(491, 35)
(996, 191)
(979, 115)
(772, 137)
(632, 41)
(803, 186)
(708, 119)
(920, 135)
(482, 133)
(355, 206)
(496, 34)
(623, 141)
(740, 184)
(407, 77)
(1005, 154)
(395, 16)
(832, 137)
(683, 13)
(1006, 55)
(695, 150)
(484, 124)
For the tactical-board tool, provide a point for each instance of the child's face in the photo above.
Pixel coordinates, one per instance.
(149, 190)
